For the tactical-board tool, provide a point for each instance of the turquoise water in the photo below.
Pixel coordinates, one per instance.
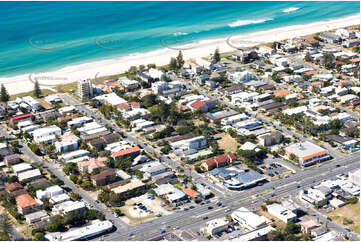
(44, 36)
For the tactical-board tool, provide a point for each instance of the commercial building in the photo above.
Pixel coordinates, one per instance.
(314, 196)
(270, 139)
(282, 213)
(248, 219)
(307, 153)
(169, 192)
(85, 89)
(96, 228)
(219, 161)
(216, 226)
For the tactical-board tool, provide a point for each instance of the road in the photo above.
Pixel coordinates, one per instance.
(59, 174)
(187, 220)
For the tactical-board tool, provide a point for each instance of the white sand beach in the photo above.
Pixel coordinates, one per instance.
(19, 84)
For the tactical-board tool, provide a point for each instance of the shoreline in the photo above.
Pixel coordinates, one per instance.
(203, 48)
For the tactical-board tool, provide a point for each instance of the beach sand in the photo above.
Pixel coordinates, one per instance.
(20, 84)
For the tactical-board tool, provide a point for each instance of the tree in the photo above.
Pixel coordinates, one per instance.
(308, 57)
(180, 61)
(275, 235)
(37, 91)
(353, 200)
(229, 218)
(216, 56)
(5, 224)
(39, 236)
(4, 95)
(173, 65)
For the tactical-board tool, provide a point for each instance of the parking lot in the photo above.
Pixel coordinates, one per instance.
(274, 170)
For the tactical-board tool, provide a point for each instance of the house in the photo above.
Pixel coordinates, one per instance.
(18, 118)
(26, 204)
(219, 161)
(191, 193)
(132, 152)
(77, 122)
(308, 226)
(68, 206)
(249, 220)
(345, 143)
(18, 168)
(233, 89)
(218, 116)
(104, 177)
(234, 119)
(145, 77)
(91, 165)
(13, 159)
(241, 77)
(282, 93)
(270, 139)
(216, 226)
(330, 38)
(67, 157)
(29, 175)
(36, 216)
(128, 84)
(111, 99)
(282, 213)
(245, 55)
(155, 74)
(307, 153)
(15, 189)
(68, 142)
(310, 41)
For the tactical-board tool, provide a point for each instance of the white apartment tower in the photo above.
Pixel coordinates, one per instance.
(85, 89)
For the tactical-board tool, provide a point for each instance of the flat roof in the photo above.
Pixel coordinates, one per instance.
(305, 150)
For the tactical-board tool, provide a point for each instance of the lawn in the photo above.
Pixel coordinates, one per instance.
(44, 92)
(227, 143)
(351, 212)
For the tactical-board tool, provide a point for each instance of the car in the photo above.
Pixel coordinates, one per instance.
(131, 235)
(298, 186)
(191, 207)
(207, 201)
(163, 231)
(206, 217)
(185, 209)
(347, 229)
(337, 165)
(210, 207)
(227, 210)
(286, 176)
(202, 203)
(329, 219)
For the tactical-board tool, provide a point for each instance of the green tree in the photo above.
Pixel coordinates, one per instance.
(275, 235)
(173, 65)
(37, 91)
(180, 61)
(216, 56)
(308, 57)
(4, 95)
(353, 200)
(39, 236)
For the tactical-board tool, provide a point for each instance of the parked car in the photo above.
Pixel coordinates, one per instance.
(206, 217)
(210, 207)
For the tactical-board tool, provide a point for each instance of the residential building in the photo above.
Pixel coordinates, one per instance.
(68, 142)
(218, 116)
(307, 153)
(36, 216)
(111, 99)
(314, 197)
(270, 139)
(77, 122)
(49, 192)
(68, 206)
(42, 133)
(234, 119)
(330, 38)
(133, 184)
(85, 89)
(216, 226)
(196, 143)
(34, 105)
(91, 165)
(104, 177)
(219, 161)
(23, 117)
(308, 226)
(18, 168)
(13, 159)
(248, 219)
(26, 204)
(29, 175)
(282, 213)
(354, 177)
(74, 154)
(132, 152)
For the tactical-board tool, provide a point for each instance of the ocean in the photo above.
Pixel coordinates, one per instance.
(46, 36)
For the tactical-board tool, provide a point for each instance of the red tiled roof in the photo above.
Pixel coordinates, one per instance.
(220, 160)
(126, 151)
(338, 63)
(354, 60)
(282, 93)
(22, 116)
(198, 104)
(320, 83)
(309, 73)
(134, 104)
(25, 200)
(14, 186)
(191, 192)
(123, 106)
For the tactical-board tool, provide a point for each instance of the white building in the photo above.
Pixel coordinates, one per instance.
(111, 98)
(42, 133)
(74, 154)
(29, 175)
(307, 153)
(354, 177)
(68, 142)
(196, 143)
(203, 63)
(34, 105)
(234, 119)
(97, 227)
(85, 89)
(155, 74)
(297, 110)
(77, 122)
(18, 168)
(241, 77)
(313, 196)
(67, 206)
(248, 219)
(159, 87)
(49, 192)
(282, 213)
(216, 226)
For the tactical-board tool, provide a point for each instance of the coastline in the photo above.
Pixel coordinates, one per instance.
(160, 57)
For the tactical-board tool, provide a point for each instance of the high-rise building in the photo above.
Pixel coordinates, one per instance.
(85, 89)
